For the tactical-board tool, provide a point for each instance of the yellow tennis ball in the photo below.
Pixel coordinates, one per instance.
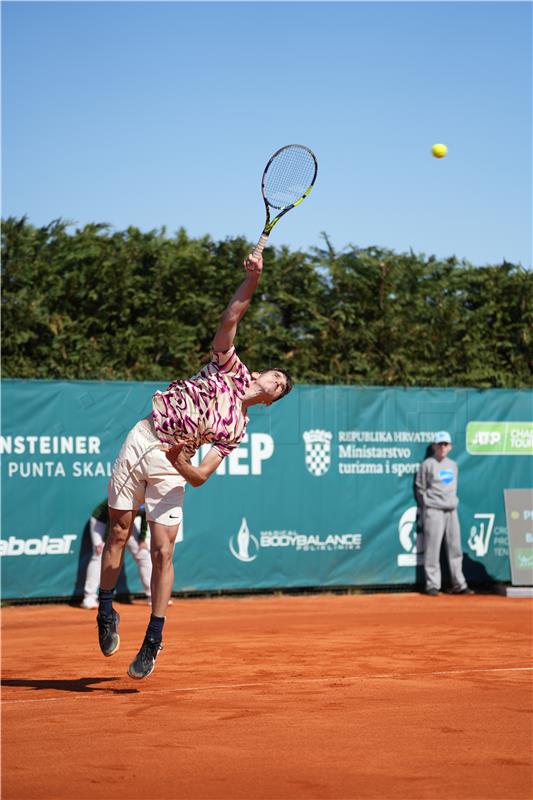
(439, 150)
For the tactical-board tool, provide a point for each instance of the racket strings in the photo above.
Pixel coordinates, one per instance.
(290, 173)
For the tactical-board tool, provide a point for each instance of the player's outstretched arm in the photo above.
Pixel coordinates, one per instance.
(237, 306)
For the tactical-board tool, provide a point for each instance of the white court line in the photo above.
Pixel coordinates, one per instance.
(108, 690)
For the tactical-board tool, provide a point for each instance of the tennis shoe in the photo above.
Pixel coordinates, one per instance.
(108, 632)
(433, 592)
(144, 662)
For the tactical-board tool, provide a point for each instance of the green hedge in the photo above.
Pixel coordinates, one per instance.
(94, 303)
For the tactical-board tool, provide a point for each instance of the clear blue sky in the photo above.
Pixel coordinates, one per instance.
(153, 114)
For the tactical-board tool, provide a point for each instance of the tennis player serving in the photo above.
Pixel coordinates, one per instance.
(154, 465)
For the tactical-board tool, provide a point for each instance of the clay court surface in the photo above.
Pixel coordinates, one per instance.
(318, 696)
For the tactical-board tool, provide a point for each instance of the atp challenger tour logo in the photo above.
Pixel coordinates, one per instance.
(246, 547)
(317, 451)
(499, 438)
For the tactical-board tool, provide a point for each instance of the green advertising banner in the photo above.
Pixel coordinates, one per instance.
(320, 492)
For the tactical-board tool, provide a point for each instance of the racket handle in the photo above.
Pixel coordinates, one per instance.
(260, 246)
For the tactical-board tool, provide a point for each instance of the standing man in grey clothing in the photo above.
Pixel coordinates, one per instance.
(436, 494)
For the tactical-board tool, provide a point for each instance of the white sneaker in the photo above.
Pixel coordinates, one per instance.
(89, 602)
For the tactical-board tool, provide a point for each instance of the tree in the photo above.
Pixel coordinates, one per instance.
(101, 304)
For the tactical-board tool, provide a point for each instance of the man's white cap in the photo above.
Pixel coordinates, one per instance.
(442, 437)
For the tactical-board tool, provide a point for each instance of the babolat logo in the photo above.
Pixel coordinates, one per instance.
(45, 546)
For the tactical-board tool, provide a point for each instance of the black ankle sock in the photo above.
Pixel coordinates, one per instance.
(155, 627)
(105, 598)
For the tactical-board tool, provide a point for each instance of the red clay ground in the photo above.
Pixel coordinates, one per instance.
(356, 696)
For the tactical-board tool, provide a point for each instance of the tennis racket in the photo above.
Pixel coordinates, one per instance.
(288, 178)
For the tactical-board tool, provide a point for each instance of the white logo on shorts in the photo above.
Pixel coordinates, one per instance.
(317, 451)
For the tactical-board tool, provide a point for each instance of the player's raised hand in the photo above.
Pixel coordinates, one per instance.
(254, 264)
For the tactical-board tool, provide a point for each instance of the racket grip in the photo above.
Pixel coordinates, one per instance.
(260, 246)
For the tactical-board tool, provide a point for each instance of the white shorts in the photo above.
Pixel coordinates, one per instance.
(143, 474)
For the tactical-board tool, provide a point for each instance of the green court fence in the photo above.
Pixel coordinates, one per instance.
(319, 494)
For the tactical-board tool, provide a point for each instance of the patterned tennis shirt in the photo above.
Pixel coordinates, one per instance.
(206, 408)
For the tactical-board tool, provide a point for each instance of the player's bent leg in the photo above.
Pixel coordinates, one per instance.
(120, 524)
(162, 542)
(163, 538)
